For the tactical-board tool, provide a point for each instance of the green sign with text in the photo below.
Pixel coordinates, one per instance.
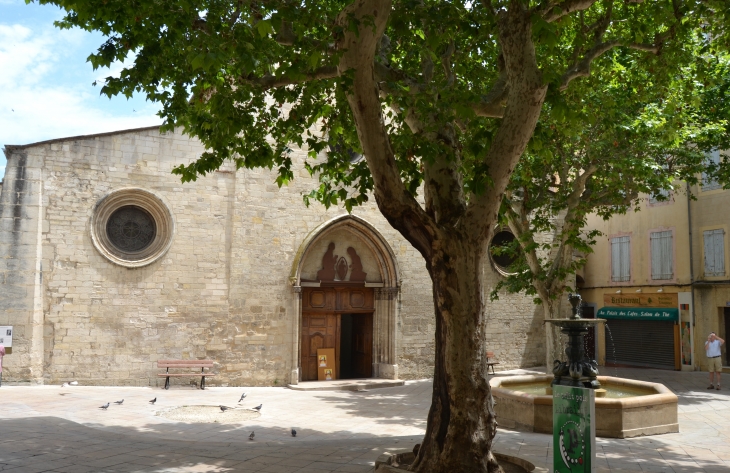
(574, 430)
(639, 313)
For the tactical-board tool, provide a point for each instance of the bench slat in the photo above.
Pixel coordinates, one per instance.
(177, 362)
(185, 363)
(178, 375)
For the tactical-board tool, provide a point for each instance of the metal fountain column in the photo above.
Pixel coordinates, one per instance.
(578, 370)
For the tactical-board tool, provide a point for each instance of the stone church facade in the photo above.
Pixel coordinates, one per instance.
(108, 263)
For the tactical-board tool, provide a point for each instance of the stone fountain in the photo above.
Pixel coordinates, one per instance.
(624, 407)
(578, 370)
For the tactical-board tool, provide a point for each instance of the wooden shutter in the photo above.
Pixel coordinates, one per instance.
(662, 266)
(714, 252)
(662, 192)
(708, 183)
(620, 259)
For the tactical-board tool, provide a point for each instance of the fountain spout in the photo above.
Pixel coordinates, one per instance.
(577, 303)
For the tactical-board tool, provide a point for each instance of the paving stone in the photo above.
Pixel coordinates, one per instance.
(47, 432)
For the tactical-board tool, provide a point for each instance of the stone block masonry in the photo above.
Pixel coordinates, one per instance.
(222, 290)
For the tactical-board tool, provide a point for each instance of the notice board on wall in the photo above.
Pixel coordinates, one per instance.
(6, 336)
(326, 369)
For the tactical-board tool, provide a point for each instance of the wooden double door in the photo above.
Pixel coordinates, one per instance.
(339, 318)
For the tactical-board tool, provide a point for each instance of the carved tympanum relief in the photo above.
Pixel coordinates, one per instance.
(338, 268)
(340, 257)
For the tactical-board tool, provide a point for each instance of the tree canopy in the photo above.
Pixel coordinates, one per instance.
(440, 97)
(222, 70)
(636, 135)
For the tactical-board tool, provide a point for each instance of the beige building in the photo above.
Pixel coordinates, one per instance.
(108, 263)
(660, 277)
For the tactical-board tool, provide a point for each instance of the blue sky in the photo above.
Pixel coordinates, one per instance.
(46, 84)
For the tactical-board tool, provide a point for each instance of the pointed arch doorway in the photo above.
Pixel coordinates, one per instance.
(330, 319)
(346, 279)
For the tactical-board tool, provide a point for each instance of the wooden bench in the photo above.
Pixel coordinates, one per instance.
(490, 364)
(202, 364)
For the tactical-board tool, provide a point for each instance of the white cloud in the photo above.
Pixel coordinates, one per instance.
(43, 97)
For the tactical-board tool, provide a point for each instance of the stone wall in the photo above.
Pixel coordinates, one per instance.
(220, 292)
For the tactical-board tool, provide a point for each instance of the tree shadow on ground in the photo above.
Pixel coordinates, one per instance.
(55, 444)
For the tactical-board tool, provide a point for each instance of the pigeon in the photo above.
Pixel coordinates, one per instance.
(153, 401)
(74, 383)
(293, 433)
(243, 396)
(257, 408)
(250, 437)
(64, 385)
(119, 402)
(105, 406)
(224, 408)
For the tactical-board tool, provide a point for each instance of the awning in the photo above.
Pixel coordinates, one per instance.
(639, 313)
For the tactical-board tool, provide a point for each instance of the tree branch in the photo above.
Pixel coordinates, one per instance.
(286, 37)
(583, 67)
(556, 12)
(443, 183)
(524, 100)
(564, 254)
(358, 48)
(519, 223)
(236, 14)
(492, 104)
(270, 81)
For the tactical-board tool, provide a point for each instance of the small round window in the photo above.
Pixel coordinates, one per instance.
(132, 227)
(501, 251)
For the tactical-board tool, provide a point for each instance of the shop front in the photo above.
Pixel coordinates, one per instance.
(642, 330)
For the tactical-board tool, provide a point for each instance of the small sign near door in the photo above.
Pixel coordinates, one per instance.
(6, 336)
(326, 364)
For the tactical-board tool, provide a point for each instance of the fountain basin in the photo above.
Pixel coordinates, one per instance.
(652, 411)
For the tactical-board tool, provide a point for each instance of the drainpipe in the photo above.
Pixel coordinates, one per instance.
(691, 256)
(691, 278)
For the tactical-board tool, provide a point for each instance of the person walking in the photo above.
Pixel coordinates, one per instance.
(712, 349)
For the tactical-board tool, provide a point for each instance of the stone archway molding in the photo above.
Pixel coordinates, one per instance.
(386, 293)
(366, 232)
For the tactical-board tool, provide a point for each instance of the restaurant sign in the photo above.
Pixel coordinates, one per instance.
(641, 300)
(639, 313)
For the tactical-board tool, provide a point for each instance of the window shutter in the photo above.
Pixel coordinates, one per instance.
(708, 183)
(720, 252)
(662, 192)
(714, 252)
(662, 264)
(620, 259)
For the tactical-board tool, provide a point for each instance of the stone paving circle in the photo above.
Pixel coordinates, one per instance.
(208, 414)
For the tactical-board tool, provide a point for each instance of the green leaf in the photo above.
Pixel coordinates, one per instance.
(264, 28)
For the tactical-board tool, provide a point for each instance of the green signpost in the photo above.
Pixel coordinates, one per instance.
(574, 429)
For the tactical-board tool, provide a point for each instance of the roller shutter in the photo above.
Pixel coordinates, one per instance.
(644, 343)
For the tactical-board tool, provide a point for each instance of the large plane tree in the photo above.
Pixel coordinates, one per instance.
(441, 97)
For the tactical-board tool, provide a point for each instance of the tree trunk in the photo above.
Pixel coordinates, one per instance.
(451, 235)
(461, 422)
(553, 343)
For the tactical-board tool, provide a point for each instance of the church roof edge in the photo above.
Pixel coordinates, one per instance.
(10, 148)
